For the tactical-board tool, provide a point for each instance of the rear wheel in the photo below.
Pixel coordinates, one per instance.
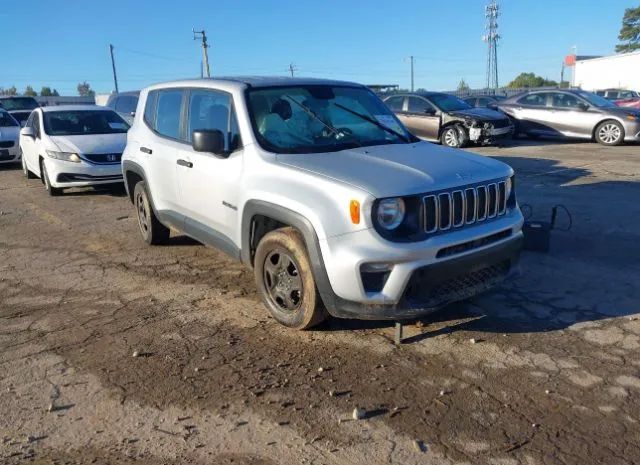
(153, 232)
(610, 133)
(285, 280)
(25, 171)
(53, 191)
(454, 136)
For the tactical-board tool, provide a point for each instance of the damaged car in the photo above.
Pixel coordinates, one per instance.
(444, 118)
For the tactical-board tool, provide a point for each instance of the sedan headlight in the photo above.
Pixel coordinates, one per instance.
(632, 117)
(66, 156)
(390, 213)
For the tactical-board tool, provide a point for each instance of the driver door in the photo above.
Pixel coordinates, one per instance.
(422, 118)
(28, 145)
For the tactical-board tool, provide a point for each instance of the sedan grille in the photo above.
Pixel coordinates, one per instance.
(6, 144)
(458, 208)
(103, 158)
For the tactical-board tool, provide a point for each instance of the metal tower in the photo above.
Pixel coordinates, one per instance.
(492, 11)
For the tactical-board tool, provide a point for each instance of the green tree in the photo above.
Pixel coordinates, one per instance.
(9, 91)
(530, 80)
(55, 93)
(29, 92)
(85, 90)
(46, 92)
(463, 86)
(630, 31)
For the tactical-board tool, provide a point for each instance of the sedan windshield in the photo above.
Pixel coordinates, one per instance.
(596, 100)
(446, 102)
(321, 118)
(18, 103)
(83, 122)
(6, 120)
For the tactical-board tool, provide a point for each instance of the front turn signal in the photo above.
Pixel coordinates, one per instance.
(354, 210)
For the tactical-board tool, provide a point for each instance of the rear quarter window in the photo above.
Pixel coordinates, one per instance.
(150, 109)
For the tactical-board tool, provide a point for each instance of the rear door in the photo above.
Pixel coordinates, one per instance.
(532, 113)
(422, 118)
(209, 183)
(160, 149)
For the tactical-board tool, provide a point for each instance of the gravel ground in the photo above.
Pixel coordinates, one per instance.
(544, 370)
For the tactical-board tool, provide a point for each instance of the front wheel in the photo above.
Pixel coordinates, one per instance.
(610, 133)
(285, 281)
(454, 136)
(53, 191)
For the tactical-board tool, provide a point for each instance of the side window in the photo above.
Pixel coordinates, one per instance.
(601, 93)
(394, 103)
(483, 102)
(150, 108)
(418, 105)
(168, 113)
(36, 124)
(559, 100)
(535, 100)
(210, 109)
(126, 104)
(612, 94)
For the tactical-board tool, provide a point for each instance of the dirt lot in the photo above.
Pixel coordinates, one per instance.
(553, 376)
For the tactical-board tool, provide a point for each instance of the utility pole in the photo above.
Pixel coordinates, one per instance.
(492, 11)
(292, 68)
(205, 55)
(113, 66)
(411, 59)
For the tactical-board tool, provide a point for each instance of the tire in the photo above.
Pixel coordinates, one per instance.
(53, 191)
(285, 280)
(610, 133)
(25, 171)
(454, 136)
(153, 232)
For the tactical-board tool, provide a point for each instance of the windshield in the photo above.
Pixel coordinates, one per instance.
(83, 122)
(18, 103)
(319, 118)
(6, 120)
(446, 102)
(596, 100)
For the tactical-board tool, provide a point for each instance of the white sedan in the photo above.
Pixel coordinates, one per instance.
(73, 146)
(9, 132)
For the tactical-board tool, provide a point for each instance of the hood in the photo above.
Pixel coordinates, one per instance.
(484, 114)
(403, 169)
(93, 143)
(622, 111)
(9, 133)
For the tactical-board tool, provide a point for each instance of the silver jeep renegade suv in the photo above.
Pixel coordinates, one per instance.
(319, 188)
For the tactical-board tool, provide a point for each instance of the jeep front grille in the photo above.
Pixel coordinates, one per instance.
(460, 207)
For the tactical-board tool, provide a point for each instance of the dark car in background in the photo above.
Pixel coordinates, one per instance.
(125, 104)
(436, 116)
(484, 101)
(19, 107)
(572, 113)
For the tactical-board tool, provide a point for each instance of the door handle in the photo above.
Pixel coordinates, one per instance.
(186, 163)
(146, 150)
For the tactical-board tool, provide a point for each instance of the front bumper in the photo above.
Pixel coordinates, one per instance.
(488, 134)
(450, 255)
(68, 174)
(632, 131)
(9, 154)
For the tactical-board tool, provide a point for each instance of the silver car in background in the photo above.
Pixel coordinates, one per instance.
(572, 113)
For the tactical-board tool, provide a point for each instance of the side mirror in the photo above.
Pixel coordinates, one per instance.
(132, 114)
(208, 140)
(429, 111)
(583, 106)
(28, 132)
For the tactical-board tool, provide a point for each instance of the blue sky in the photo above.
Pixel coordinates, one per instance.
(64, 42)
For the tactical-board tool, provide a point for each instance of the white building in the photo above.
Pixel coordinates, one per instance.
(620, 71)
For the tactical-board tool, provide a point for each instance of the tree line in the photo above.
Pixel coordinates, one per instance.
(84, 90)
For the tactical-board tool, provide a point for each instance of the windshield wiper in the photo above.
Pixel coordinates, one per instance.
(374, 122)
(336, 132)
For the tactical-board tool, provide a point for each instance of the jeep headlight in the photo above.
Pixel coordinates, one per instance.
(66, 156)
(508, 187)
(390, 213)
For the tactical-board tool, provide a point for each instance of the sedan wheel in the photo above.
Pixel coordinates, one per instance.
(610, 133)
(454, 136)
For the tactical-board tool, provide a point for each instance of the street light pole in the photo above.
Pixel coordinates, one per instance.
(113, 66)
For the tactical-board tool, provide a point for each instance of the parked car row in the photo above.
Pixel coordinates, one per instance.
(315, 185)
(20, 107)
(571, 113)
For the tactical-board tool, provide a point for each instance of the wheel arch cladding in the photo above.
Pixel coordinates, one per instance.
(281, 216)
(133, 173)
